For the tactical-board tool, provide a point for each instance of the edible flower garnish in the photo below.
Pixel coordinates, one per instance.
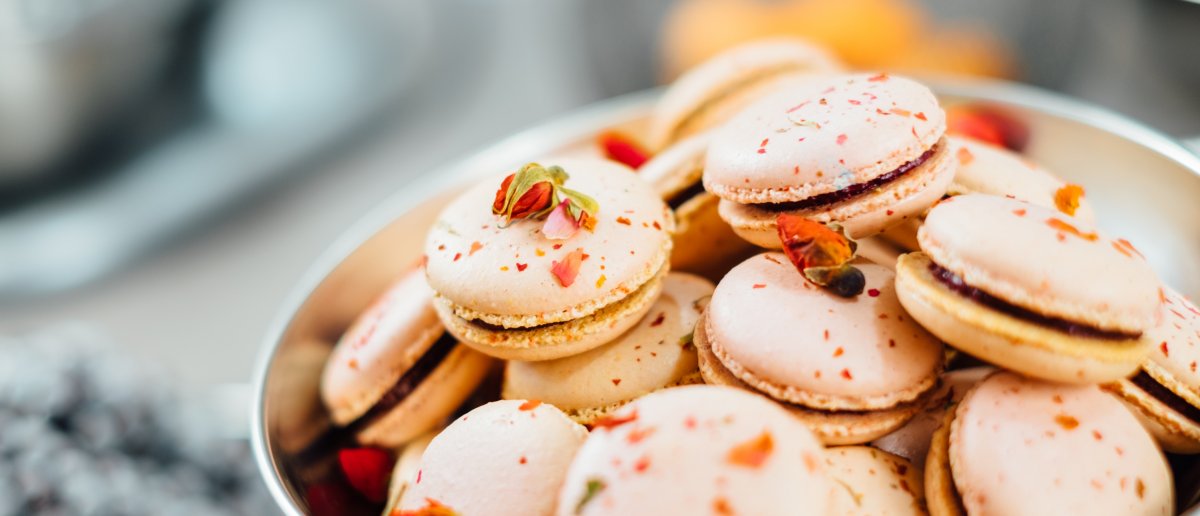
(622, 149)
(568, 269)
(594, 486)
(367, 470)
(821, 253)
(431, 508)
(535, 192)
(1066, 199)
(752, 453)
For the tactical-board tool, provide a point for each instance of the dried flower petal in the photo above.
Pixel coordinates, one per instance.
(432, 508)
(593, 488)
(613, 421)
(752, 453)
(1066, 199)
(529, 405)
(560, 225)
(568, 268)
(622, 149)
(367, 470)
(821, 253)
(1067, 227)
(529, 192)
(987, 124)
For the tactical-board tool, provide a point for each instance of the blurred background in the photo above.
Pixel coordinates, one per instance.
(169, 168)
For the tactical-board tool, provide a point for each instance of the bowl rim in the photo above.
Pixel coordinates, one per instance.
(581, 123)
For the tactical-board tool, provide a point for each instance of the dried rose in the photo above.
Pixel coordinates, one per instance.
(622, 149)
(821, 253)
(1066, 199)
(529, 193)
(368, 471)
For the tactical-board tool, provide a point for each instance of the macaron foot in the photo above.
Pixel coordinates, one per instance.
(555, 340)
(1174, 432)
(941, 496)
(1008, 341)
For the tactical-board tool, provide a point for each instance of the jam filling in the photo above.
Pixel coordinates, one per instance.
(407, 383)
(1075, 329)
(851, 191)
(1157, 390)
(679, 198)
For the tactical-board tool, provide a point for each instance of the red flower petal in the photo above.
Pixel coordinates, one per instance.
(623, 149)
(368, 471)
(560, 225)
(568, 269)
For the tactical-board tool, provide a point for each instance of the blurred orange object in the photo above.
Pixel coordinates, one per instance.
(866, 34)
(987, 124)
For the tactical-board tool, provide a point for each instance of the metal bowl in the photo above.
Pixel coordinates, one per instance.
(1144, 186)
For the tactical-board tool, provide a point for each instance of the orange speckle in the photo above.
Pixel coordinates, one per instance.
(1141, 488)
(921, 116)
(539, 252)
(810, 462)
(475, 246)
(826, 334)
(457, 256)
(642, 464)
(891, 343)
(752, 453)
(657, 225)
(878, 78)
(557, 246)
(624, 220)
(846, 374)
(838, 352)
(1066, 421)
(1067, 227)
(1165, 350)
(902, 112)
(523, 460)
(504, 268)
(1066, 199)
(637, 435)
(1097, 435)
(610, 422)
(964, 156)
(600, 281)
(658, 320)
(721, 507)
(1020, 213)
(522, 266)
(841, 139)
(616, 381)
(353, 363)
(759, 285)
(529, 405)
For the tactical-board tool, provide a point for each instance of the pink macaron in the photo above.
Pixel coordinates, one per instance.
(865, 151)
(1030, 289)
(525, 289)
(1015, 445)
(1165, 394)
(698, 450)
(503, 458)
(396, 373)
(854, 369)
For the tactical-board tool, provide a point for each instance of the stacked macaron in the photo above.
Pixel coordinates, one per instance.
(864, 151)
(550, 261)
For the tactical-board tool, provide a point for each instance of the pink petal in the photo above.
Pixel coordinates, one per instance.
(559, 225)
(568, 268)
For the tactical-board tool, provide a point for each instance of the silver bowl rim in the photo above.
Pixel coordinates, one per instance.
(578, 123)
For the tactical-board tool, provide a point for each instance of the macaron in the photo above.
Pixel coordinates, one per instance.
(703, 243)
(1029, 289)
(988, 169)
(715, 90)
(865, 151)
(404, 473)
(912, 440)
(698, 449)
(507, 457)
(657, 353)
(873, 482)
(396, 373)
(1016, 445)
(853, 369)
(508, 289)
(1165, 394)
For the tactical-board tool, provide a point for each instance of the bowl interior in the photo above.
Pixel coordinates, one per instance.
(1144, 187)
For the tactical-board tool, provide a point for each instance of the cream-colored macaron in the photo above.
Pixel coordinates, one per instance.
(870, 482)
(655, 354)
(710, 93)
(1016, 445)
(404, 473)
(853, 369)
(396, 373)
(504, 458)
(510, 291)
(1165, 394)
(864, 151)
(1027, 288)
(698, 449)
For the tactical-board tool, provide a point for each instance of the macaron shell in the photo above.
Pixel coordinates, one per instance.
(656, 353)
(382, 343)
(717, 89)
(803, 344)
(1176, 351)
(555, 340)
(1091, 454)
(404, 473)
(503, 276)
(832, 428)
(873, 482)
(1174, 432)
(822, 138)
(1020, 253)
(435, 399)
(698, 450)
(1007, 341)
(503, 458)
(913, 439)
(988, 169)
(904, 199)
(677, 167)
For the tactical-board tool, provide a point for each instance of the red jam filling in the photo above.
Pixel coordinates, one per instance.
(851, 191)
(1072, 328)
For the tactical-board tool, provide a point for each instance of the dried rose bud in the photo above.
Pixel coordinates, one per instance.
(821, 253)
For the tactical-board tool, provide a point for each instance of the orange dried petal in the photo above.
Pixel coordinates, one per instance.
(614, 421)
(752, 453)
(1067, 227)
(622, 149)
(812, 244)
(1066, 199)
(568, 269)
(432, 508)
(535, 200)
